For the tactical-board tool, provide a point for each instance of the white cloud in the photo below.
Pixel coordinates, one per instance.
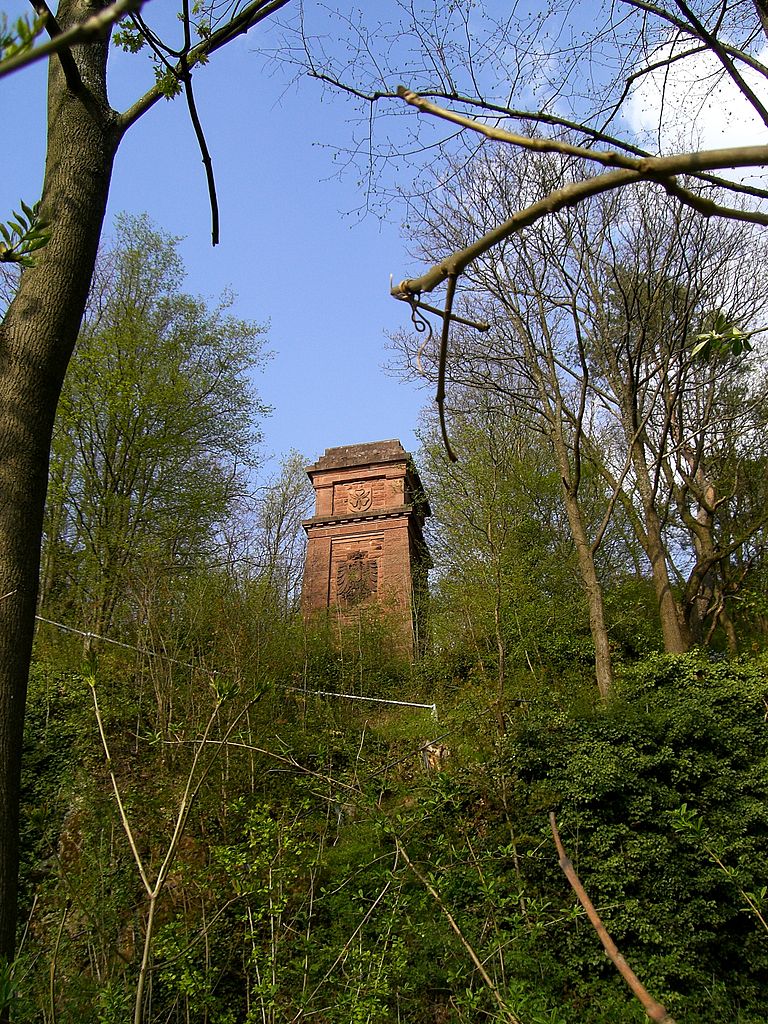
(693, 103)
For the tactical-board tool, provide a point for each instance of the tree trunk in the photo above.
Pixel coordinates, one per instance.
(697, 610)
(594, 592)
(37, 337)
(703, 591)
(730, 631)
(677, 638)
(570, 479)
(761, 6)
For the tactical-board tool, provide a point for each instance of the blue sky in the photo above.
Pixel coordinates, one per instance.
(290, 247)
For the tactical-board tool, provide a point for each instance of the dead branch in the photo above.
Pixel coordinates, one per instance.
(655, 1011)
(443, 359)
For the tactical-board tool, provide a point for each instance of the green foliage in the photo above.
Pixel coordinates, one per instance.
(632, 613)
(19, 36)
(168, 83)
(7, 987)
(503, 552)
(198, 22)
(58, 746)
(129, 38)
(113, 1005)
(722, 339)
(23, 236)
(288, 898)
(689, 823)
(156, 424)
(682, 731)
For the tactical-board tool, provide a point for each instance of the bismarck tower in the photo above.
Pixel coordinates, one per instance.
(365, 545)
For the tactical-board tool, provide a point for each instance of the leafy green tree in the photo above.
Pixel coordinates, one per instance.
(503, 548)
(277, 541)
(156, 426)
(40, 328)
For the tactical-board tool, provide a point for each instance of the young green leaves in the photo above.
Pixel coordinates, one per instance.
(22, 236)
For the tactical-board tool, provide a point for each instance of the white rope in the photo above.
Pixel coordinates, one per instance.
(377, 700)
(187, 664)
(118, 643)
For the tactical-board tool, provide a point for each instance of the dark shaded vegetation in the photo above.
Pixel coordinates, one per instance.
(288, 899)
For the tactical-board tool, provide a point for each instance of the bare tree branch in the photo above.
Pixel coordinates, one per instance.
(537, 144)
(655, 1010)
(52, 27)
(659, 169)
(186, 79)
(714, 44)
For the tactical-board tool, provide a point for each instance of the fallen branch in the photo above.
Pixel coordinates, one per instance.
(655, 1010)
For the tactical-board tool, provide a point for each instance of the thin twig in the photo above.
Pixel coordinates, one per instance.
(509, 1014)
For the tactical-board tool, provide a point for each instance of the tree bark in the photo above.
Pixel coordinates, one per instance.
(594, 592)
(569, 466)
(674, 630)
(37, 338)
(761, 6)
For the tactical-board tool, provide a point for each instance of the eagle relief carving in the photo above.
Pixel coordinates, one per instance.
(359, 497)
(356, 578)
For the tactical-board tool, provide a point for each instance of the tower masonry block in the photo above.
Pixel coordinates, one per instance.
(365, 542)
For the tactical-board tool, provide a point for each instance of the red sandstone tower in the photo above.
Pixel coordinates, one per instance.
(365, 545)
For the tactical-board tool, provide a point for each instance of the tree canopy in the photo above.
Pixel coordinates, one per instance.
(156, 429)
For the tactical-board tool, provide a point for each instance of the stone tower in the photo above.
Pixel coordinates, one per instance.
(365, 545)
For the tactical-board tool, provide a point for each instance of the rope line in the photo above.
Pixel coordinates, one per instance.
(355, 696)
(119, 643)
(188, 664)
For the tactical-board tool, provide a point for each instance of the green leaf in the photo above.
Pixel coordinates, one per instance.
(23, 234)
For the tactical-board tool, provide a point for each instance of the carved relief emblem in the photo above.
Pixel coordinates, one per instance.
(360, 497)
(356, 578)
